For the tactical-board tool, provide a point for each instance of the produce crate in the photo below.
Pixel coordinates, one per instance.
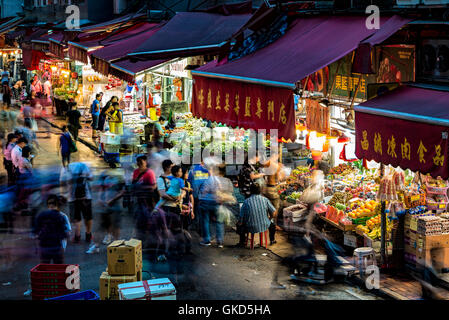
(50, 273)
(436, 190)
(361, 221)
(83, 295)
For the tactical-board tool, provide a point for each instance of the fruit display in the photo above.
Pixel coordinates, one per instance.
(334, 214)
(286, 190)
(294, 196)
(367, 209)
(340, 197)
(373, 228)
(342, 169)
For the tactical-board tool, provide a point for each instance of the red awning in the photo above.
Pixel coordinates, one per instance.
(128, 41)
(190, 34)
(309, 45)
(127, 70)
(407, 127)
(78, 50)
(113, 23)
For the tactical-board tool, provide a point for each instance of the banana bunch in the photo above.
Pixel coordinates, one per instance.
(363, 229)
(375, 233)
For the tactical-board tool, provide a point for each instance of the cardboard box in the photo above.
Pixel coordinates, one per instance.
(125, 257)
(156, 289)
(429, 242)
(109, 285)
(440, 256)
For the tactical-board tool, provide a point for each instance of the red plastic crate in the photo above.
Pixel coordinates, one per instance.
(50, 272)
(41, 294)
(48, 285)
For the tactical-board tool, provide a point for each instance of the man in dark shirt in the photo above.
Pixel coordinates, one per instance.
(73, 121)
(51, 230)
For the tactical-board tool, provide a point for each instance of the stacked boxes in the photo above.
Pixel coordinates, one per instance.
(155, 289)
(124, 266)
(434, 248)
(444, 223)
(429, 225)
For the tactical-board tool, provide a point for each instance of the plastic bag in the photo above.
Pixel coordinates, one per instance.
(224, 215)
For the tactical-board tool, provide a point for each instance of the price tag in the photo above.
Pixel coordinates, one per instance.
(442, 206)
(413, 224)
(415, 198)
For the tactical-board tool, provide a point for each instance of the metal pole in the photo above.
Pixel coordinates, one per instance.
(383, 228)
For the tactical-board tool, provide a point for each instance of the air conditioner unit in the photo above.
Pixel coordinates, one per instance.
(436, 2)
(119, 6)
(434, 59)
(408, 2)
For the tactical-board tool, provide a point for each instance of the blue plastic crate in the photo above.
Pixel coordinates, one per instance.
(111, 157)
(83, 295)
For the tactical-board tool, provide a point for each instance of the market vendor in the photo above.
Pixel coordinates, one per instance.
(105, 112)
(272, 180)
(158, 132)
(248, 175)
(116, 120)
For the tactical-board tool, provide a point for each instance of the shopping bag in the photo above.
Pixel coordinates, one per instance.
(34, 125)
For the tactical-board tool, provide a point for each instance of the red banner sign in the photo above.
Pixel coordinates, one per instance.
(410, 145)
(244, 105)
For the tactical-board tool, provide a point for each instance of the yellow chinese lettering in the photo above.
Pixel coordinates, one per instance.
(405, 149)
(226, 107)
(438, 160)
(259, 108)
(362, 86)
(209, 99)
(350, 87)
(421, 150)
(248, 107)
(337, 82)
(201, 97)
(344, 83)
(217, 100)
(365, 142)
(237, 107)
(355, 82)
(378, 143)
(271, 110)
(392, 147)
(282, 114)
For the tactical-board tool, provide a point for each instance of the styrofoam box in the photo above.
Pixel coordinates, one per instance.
(110, 138)
(155, 289)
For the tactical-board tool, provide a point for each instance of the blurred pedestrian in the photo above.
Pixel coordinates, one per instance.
(159, 132)
(52, 229)
(197, 175)
(65, 146)
(73, 121)
(28, 113)
(16, 155)
(7, 93)
(77, 178)
(95, 112)
(215, 191)
(112, 190)
(144, 184)
(5, 77)
(7, 160)
(17, 90)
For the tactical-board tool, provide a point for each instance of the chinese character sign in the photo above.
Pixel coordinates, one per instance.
(244, 105)
(408, 144)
